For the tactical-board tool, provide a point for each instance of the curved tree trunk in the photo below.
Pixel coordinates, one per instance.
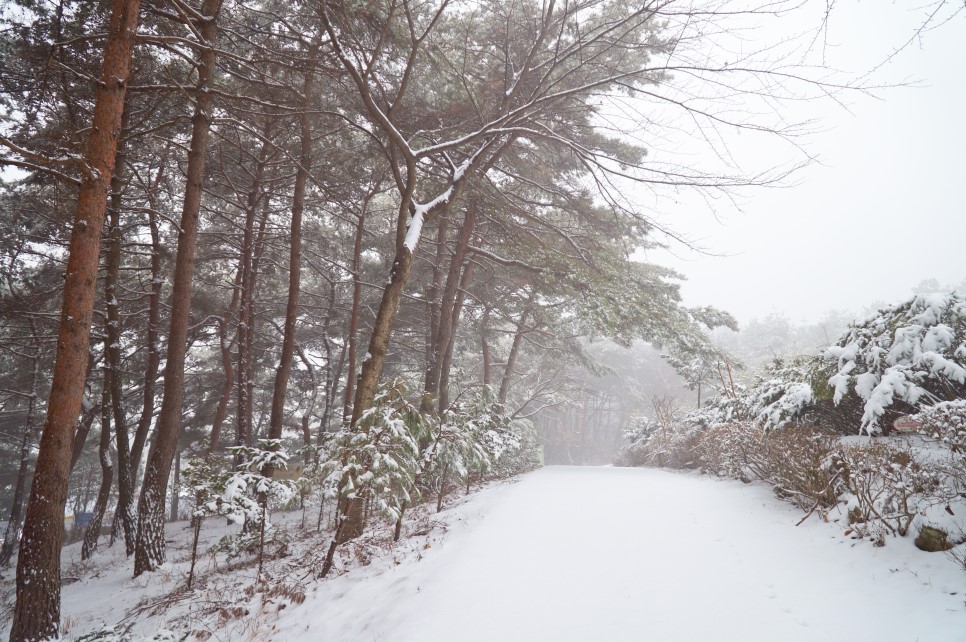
(37, 612)
(149, 552)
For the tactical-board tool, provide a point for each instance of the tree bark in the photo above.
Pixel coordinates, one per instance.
(433, 301)
(244, 435)
(12, 533)
(112, 351)
(515, 350)
(453, 323)
(36, 615)
(149, 553)
(485, 347)
(294, 262)
(354, 314)
(446, 321)
(152, 339)
(93, 532)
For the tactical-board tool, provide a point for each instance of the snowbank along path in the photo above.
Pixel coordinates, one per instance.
(615, 554)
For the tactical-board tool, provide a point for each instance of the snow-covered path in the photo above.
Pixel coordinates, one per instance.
(632, 554)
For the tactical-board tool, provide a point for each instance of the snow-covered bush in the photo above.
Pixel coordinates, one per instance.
(799, 464)
(468, 440)
(946, 422)
(665, 441)
(794, 461)
(248, 492)
(888, 485)
(494, 443)
(377, 459)
(203, 482)
(785, 394)
(637, 449)
(732, 450)
(249, 495)
(903, 356)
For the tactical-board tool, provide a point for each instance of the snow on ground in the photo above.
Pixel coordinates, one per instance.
(561, 554)
(635, 554)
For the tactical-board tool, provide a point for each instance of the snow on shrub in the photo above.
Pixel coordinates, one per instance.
(247, 491)
(469, 438)
(946, 421)
(890, 485)
(781, 396)
(248, 496)
(637, 450)
(377, 459)
(909, 353)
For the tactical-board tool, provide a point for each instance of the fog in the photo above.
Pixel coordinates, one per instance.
(879, 210)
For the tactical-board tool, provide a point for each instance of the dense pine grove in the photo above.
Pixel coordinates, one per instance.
(375, 238)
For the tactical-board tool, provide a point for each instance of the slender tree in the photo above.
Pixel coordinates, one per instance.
(37, 611)
(149, 551)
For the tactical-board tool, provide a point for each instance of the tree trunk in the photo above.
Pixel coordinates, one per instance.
(93, 532)
(226, 362)
(152, 339)
(354, 314)
(453, 322)
(431, 382)
(294, 263)
(12, 534)
(310, 407)
(446, 325)
(485, 347)
(332, 375)
(112, 351)
(149, 553)
(244, 435)
(175, 489)
(515, 350)
(37, 612)
(89, 411)
(225, 397)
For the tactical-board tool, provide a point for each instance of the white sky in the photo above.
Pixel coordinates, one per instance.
(884, 209)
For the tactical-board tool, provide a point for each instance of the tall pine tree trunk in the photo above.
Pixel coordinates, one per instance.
(153, 334)
(453, 324)
(11, 535)
(244, 435)
(37, 612)
(149, 552)
(511, 360)
(294, 262)
(93, 532)
(354, 314)
(112, 351)
(446, 328)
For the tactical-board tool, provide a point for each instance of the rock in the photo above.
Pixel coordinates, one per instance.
(932, 540)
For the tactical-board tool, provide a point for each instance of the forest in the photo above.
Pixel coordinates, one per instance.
(262, 254)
